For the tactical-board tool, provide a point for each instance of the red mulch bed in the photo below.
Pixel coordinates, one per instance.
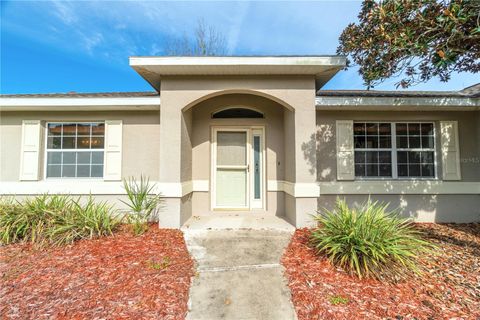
(448, 288)
(117, 277)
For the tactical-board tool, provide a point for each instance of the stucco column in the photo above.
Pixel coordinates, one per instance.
(175, 161)
(301, 176)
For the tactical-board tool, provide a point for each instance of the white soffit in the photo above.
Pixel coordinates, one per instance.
(153, 69)
(76, 104)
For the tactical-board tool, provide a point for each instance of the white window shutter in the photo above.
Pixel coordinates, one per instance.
(29, 161)
(112, 170)
(450, 150)
(345, 152)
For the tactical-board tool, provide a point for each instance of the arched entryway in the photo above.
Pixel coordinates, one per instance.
(238, 149)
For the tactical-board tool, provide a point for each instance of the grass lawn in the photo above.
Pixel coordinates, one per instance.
(121, 277)
(448, 288)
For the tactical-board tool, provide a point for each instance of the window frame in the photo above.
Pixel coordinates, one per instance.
(47, 150)
(394, 150)
(235, 118)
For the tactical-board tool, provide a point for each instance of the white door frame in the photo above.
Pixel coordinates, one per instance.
(251, 202)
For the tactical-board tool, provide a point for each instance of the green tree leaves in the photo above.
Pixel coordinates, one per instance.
(414, 39)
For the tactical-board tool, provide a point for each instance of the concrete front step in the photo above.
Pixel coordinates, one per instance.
(223, 248)
(251, 221)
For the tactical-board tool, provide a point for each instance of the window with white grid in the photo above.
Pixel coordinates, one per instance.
(75, 150)
(395, 150)
(415, 149)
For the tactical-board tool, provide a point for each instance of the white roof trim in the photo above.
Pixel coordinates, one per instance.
(322, 103)
(239, 61)
(397, 103)
(75, 104)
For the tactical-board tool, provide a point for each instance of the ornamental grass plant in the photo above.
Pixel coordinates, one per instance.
(54, 220)
(369, 241)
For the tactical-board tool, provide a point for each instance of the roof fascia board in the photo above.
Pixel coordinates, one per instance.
(399, 103)
(238, 61)
(64, 104)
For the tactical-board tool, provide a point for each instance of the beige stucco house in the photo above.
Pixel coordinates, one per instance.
(255, 135)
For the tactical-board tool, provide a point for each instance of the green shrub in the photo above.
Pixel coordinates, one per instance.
(15, 222)
(83, 221)
(159, 265)
(55, 220)
(142, 201)
(369, 241)
(336, 300)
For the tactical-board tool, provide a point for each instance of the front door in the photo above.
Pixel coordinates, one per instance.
(238, 168)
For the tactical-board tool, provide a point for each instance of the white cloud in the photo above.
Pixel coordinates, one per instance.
(236, 27)
(63, 11)
(92, 41)
(120, 26)
(155, 50)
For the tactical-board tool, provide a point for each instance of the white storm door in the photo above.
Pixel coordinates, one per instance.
(231, 169)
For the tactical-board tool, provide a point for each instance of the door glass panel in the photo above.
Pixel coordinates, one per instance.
(257, 166)
(231, 182)
(231, 188)
(231, 148)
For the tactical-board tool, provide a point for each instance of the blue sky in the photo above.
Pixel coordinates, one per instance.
(83, 46)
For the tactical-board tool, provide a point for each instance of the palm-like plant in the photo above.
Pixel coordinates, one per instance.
(142, 200)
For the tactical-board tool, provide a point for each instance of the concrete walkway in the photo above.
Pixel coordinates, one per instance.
(239, 275)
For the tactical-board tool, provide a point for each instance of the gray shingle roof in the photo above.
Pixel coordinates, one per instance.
(83, 95)
(473, 91)
(469, 92)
